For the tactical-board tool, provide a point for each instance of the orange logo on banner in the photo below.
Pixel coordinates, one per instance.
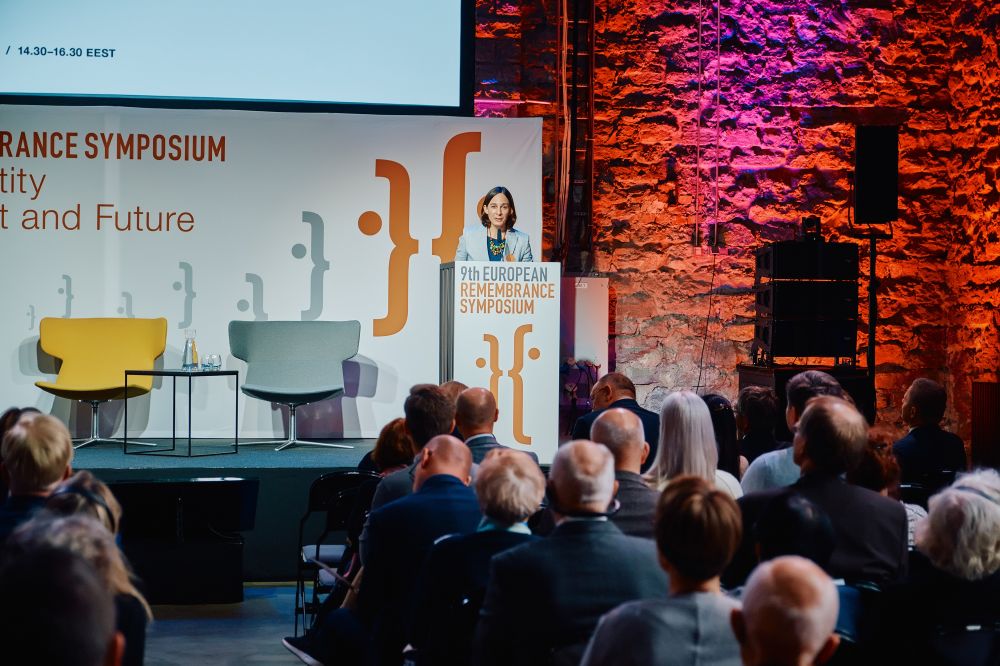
(404, 245)
(453, 193)
(514, 373)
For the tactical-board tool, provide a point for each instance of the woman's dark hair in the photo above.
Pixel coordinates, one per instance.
(393, 446)
(877, 468)
(724, 425)
(484, 216)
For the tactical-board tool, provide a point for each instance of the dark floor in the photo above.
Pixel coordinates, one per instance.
(225, 634)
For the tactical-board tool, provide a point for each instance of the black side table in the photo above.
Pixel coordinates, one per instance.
(190, 376)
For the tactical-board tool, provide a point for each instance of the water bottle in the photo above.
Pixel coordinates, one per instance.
(189, 361)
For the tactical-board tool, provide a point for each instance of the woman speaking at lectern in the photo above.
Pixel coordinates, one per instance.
(497, 240)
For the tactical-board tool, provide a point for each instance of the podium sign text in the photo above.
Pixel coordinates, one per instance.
(506, 338)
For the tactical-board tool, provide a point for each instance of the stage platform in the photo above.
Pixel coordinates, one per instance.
(284, 476)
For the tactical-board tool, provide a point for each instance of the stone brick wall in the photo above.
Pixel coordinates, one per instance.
(792, 79)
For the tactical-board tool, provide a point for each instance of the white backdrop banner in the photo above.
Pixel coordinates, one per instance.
(203, 217)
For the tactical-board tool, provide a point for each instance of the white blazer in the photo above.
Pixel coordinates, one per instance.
(472, 245)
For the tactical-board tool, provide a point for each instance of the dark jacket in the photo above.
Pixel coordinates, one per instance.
(450, 593)
(870, 530)
(650, 425)
(548, 595)
(927, 450)
(399, 536)
(480, 445)
(637, 505)
(17, 509)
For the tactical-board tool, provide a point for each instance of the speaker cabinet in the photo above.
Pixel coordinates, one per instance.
(807, 260)
(876, 174)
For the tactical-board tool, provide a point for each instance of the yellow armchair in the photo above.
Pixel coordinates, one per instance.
(95, 354)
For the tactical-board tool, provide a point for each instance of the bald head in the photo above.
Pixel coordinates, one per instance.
(621, 431)
(443, 454)
(583, 478)
(476, 412)
(789, 612)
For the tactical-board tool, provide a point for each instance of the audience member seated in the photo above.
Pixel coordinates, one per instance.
(545, 597)
(452, 389)
(400, 535)
(697, 531)
(954, 577)
(56, 611)
(687, 445)
(88, 537)
(789, 612)
(879, 471)
(83, 494)
(393, 450)
(724, 427)
(37, 453)
(428, 413)
(870, 529)
(756, 415)
(616, 390)
(778, 468)
(475, 413)
(450, 591)
(7, 421)
(621, 431)
(927, 450)
(792, 525)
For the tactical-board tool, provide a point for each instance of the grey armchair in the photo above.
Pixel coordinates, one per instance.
(294, 363)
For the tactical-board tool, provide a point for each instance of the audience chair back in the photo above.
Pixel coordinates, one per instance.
(973, 645)
(334, 495)
(95, 354)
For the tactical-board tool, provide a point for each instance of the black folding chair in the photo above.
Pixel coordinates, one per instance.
(334, 495)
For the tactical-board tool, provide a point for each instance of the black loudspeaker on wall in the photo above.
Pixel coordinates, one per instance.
(876, 174)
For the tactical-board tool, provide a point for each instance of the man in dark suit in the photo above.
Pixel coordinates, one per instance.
(428, 413)
(871, 534)
(546, 597)
(400, 535)
(475, 413)
(927, 450)
(621, 431)
(616, 390)
(450, 591)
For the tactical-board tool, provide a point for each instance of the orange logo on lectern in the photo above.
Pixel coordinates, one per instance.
(514, 373)
(404, 245)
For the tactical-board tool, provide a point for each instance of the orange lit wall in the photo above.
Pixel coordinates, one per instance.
(792, 79)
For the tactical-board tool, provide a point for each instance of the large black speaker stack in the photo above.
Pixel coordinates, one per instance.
(806, 295)
(806, 301)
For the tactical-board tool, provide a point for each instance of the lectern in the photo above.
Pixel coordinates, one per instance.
(500, 330)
